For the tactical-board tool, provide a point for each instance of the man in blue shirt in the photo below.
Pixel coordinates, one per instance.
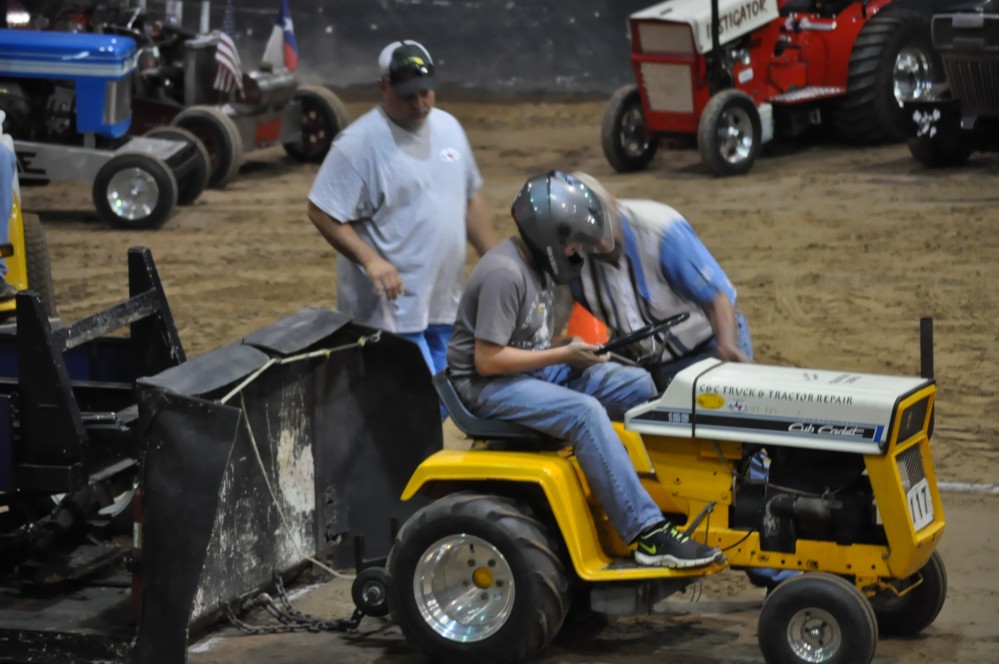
(658, 268)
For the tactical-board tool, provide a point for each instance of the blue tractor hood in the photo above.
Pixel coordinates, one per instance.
(42, 54)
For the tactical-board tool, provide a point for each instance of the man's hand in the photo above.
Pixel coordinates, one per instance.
(581, 354)
(384, 277)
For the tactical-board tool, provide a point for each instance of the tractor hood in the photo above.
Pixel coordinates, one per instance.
(786, 406)
(44, 54)
(735, 18)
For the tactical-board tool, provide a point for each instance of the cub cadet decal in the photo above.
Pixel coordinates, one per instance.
(710, 400)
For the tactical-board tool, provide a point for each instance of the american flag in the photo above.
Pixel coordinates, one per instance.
(229, 73)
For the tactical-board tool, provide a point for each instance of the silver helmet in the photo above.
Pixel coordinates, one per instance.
(556, 210)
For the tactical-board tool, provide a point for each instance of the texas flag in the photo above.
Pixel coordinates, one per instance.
(282, 49)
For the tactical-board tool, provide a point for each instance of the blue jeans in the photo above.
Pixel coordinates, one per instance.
(432, 343)
(576, 405)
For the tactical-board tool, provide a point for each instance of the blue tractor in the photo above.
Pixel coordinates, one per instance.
(67, 98)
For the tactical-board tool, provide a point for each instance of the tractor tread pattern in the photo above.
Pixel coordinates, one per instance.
(548, 575)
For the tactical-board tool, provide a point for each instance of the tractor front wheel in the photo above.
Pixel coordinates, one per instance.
(908, 614)
(729, 133)
(221, 139)
(135, 191)
(937, 153)
(624, 135)
(476, 578)
(190, 186)
(817, 617)
(323, 117)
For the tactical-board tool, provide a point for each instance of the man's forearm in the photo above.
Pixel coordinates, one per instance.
(479, 228)
(341, 237)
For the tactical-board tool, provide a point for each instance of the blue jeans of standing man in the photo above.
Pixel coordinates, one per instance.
(576, 405)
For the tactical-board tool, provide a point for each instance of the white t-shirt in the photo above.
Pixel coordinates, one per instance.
(406, 192)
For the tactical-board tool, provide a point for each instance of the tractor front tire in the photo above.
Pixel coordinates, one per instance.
(817, 617)
(730, 133)
(194, 182)
(135, 191)
(221, 139)
(919, 607)
(323, 117)
(936, 153)
(476, 578)
(892, 61)
(624, 136)
(39, 264)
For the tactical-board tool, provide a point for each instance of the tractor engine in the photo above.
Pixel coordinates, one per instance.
(39, 110)
(809, 494)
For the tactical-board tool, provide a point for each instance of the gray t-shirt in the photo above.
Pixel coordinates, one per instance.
(506, 302)
(406, 192)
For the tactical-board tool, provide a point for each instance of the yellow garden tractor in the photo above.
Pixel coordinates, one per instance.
(512, 537)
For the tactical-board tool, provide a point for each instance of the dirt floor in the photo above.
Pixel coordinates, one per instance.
(836, 252)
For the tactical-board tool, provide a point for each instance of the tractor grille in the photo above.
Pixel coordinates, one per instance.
(669, 87)
(974, 83)
(910, 467)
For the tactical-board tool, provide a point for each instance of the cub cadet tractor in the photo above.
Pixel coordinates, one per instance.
(513, 537)
(734, 74)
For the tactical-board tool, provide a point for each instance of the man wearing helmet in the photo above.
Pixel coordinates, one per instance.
(504, 365)
(656, 268)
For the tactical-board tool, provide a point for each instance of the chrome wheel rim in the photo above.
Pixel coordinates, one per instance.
(735, 135)
(912, 76)
(464, 588)
(814, 635)
(132, 193)
(634, 138)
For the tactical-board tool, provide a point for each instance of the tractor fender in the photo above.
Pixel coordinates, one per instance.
(554, 475)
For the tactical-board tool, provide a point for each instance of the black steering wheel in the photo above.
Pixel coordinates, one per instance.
(659, 326)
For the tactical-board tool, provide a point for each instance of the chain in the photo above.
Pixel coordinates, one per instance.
(288, 618)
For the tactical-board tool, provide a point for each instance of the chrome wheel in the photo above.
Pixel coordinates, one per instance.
(912, 76)
(464, 588)
(132, 193)
(735, 136)
(814, 635)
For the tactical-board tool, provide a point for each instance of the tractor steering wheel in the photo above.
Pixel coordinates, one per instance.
(659, 326)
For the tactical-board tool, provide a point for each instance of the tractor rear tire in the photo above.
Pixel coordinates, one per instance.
(917, 609)
(476, 578)
(38, 263)
(730, 133)
(221, 138)
(624, 136)
(135, 191)
(817, 617)
(892, 61)
(193, 183)
(323, 117)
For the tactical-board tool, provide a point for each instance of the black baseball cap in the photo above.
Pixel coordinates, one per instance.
(407, 67)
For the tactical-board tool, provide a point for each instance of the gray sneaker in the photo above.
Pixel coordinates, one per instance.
(665, 546)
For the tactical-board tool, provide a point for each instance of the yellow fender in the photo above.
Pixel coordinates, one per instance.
(564, 492)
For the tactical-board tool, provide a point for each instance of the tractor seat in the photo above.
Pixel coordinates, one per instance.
(477, 427)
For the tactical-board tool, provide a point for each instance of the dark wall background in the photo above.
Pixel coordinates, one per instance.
(516, 46)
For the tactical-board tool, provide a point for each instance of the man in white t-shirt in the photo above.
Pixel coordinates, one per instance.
(398, 196)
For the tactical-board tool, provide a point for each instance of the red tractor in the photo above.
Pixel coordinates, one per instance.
(737, 73)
